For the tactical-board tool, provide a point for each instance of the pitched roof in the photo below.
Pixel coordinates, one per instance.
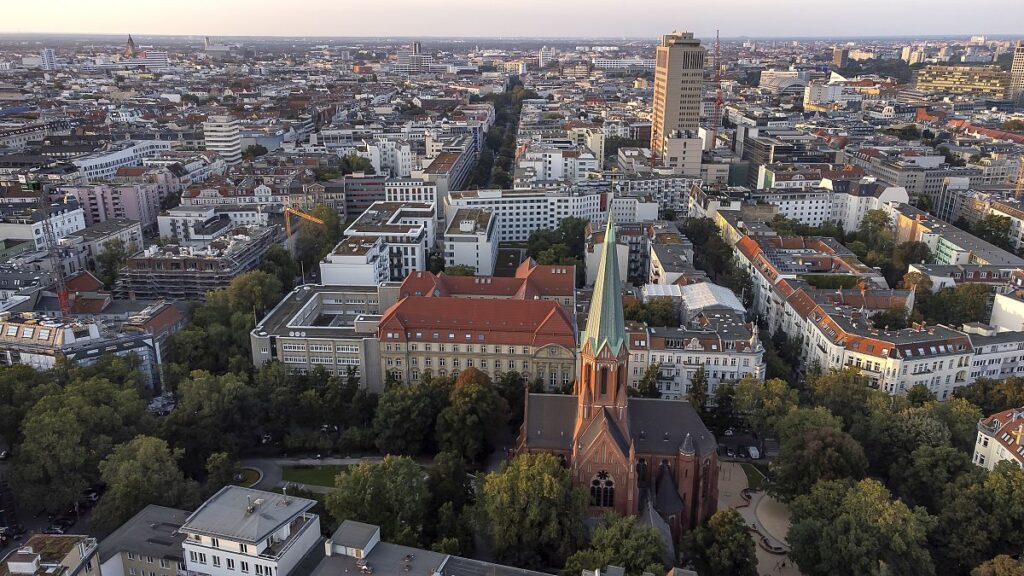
(549, 422)
(605, 322)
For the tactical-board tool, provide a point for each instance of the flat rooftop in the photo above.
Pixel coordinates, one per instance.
(244, 514)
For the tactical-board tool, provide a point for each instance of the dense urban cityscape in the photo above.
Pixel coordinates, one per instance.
(688, 305)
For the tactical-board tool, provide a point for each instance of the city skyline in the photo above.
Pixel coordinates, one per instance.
(529, 18)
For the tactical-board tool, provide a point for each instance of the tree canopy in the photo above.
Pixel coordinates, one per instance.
(392, 494)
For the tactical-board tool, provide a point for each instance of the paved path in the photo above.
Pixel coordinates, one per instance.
(763, 514)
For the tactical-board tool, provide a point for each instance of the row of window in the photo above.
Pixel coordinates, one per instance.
(229, 563)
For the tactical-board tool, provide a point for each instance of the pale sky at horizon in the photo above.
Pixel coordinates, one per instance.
(549, 18)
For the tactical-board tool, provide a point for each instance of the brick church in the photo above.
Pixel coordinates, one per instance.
(648, 457)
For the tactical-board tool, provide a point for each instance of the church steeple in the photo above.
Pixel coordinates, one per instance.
(130, 51)
(606, 323)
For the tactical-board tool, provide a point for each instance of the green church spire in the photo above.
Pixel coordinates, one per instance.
(606, 324)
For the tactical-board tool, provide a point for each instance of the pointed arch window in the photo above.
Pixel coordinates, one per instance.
(602, 490)
(604, 380)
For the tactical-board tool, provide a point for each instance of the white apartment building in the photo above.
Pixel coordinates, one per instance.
(520, 212)
(356, 262)
(997, 355)
(549, 164)
(471, 240)
(624, 63)
(634, 209)
(186, 223)
(1000, 438)
(390, 157)
(223, 136)
(48, 59)
(406, 228)
(22, 224)
(410, 190)
(104, 164)
(245, 532)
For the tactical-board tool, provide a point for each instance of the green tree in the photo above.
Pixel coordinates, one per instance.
(697, 395)
(392, 494)
(407, 416)
(20, 388)
(923, 479)
(661, 312)
(254, 292)
(1002, 565)
(110, 261)
(895, 318)
(474, 418)
(620, 541)
(531, 512)
(220, 471)
(908, 253)
(994, 229)
(647, 387)
(138, 473)
(919, 395)
(279, 263)
(844, 528)
(67, 434)
(460, 270)
(993, 396)
(823, 453)
(764, 404)
(722, 546)
(355, 163)
(254, 151)
(961, 418)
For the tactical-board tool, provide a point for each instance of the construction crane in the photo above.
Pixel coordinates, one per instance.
(288, 211)
(53, 253)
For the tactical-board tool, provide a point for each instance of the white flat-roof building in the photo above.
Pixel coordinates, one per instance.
(356, 262)
(471, 240)
(105, 163)
(520, 212)
(406, 228)
(241, 531)
(223, 136)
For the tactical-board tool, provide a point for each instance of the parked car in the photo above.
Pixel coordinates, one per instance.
(5, 454)
(754, 452)
(54, 529)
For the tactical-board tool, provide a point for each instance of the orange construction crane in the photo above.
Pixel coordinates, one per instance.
(288, 211)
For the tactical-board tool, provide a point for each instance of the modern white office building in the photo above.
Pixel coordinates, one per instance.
(104, 164)
(356, 262)
(520, 212)
(223, 136)
(407, 230)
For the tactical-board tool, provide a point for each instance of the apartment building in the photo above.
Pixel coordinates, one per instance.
(471, 240)
(979, 81)
(1000, 439)
(1017, 73)
(520, 212)
(997, 354)
(221, 134)
(177, 272)
(95, 239)
(241, 531)
(410, 190)
(102, 202)
(948, 244)
(194, 225)
(104, 164)
(406, 228)
(678, 88)
(149, 544)
(53, 555)
(27, 222)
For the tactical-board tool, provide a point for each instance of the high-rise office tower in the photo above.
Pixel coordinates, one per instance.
(678, 85)
(48, 59)
(1017, 73)
(222, 135)
(840, 57)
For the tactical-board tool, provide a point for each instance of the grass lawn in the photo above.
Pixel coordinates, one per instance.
(251, 477)
(755, 479)
(316, 475)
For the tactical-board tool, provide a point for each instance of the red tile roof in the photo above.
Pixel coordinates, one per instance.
(509, 322)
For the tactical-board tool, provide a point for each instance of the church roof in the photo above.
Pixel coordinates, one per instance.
(667, 500)
(593, 432)
(606, 322)
(660, 427)
(550, 419)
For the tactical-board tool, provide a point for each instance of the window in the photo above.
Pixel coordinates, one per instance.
(231, 564)
(192, 556)
(602, 490)
(202, 558)
(243, 548)
(244, 566)
(131, 556)
(216, 561)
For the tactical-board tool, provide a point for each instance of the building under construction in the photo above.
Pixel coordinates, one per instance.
(175, 272)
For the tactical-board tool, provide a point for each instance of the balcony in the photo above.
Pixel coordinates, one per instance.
(297, 527)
